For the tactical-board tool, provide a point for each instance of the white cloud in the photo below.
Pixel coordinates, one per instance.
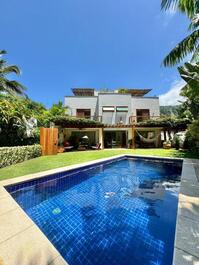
(172, 97)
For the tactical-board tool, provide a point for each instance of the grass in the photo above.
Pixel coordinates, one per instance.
(49, 162)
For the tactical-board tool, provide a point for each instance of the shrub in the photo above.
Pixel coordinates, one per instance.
(167, 122)
(16, 154)
(75, 122)
(192, 136)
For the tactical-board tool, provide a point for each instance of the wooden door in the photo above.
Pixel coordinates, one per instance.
(49, 141)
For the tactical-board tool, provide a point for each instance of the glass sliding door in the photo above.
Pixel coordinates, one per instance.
(115, 139)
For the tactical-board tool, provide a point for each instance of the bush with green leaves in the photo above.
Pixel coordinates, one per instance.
(192, 136)
(71, 122)
(17, 154)
(167, 122)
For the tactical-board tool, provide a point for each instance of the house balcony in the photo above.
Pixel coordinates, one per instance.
(128, 120)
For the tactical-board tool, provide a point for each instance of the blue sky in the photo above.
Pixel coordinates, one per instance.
(90, 43)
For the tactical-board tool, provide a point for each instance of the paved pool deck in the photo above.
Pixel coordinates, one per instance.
(23, 243)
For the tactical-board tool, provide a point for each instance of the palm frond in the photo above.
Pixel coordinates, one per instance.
(10, 69)
(169, 4)
(189, 7)
(11, 87)
(185, 47)
(190, 74)
(2, 52)
(195, 56)
(194, 22)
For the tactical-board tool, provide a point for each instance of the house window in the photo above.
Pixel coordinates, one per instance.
(122, 109)
(121, 114)
(83, 113)
(142, 114)
(107, 114)
(108, 109)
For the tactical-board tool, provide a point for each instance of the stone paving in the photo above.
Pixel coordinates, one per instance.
(186, 251)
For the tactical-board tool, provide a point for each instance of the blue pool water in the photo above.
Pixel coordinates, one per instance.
(119, 213)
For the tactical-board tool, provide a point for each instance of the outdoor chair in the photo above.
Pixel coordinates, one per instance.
(97, 147)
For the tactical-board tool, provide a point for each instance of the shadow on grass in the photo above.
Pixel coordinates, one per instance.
(185, 154)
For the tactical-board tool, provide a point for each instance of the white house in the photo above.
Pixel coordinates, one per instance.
(118, 110)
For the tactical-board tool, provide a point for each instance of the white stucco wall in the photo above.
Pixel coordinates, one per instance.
(74, 103)
(146, 103)
(115, 100)
(97, 103)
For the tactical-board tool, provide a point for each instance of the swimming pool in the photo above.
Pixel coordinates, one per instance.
(119, 212)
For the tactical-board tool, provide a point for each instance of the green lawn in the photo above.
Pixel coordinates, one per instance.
(49, 162)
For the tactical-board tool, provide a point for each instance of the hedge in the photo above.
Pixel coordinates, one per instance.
(16, 154)
(170, 123)
(66, 121)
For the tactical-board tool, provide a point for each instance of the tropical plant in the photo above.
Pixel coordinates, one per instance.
(189, 45)
(190, 73)
(166, 122)
(6, 85)
(70, 122)
(57, 109)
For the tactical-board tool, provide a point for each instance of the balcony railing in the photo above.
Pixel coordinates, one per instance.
(114, 120)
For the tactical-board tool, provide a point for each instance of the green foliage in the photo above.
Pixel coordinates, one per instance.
(190, 73)
(12, 125)
(169, 110)
(6, 85)
(13, 155)
(13, 110)
(167, 122)
(70, 121)
(177, 142)
(192, 136)
(190, 44)
(123, 91)
(57, 109)
(189, 7)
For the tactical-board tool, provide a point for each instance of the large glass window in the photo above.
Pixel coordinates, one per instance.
(142, 114)
(107, 114)
(83, 113)
(121, 114)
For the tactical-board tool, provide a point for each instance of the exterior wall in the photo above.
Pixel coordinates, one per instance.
(95, 104)
(146, 103)
(74, 103)
(114, 100)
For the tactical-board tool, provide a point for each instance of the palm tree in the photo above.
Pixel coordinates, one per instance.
(6, 85)
(189, 45)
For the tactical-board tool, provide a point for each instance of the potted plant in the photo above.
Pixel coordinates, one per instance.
(167, 144)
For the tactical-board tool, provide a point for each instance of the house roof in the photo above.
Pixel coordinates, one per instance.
(83, 92)
(90, 92)
(134, 91)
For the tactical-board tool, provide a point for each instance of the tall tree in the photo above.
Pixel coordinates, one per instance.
(189, 45)
(6, 85)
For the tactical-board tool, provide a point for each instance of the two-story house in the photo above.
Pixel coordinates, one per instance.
(118, 110)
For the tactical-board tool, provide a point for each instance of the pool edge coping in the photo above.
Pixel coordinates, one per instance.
(187, 164)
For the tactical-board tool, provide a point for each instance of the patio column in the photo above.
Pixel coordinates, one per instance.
(133, 137)
(101, 137)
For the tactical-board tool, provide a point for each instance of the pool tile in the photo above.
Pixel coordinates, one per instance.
(91, 227)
